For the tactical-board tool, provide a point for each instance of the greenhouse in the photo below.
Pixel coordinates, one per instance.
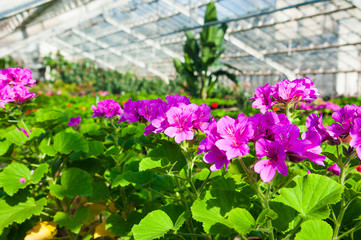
(180, 119)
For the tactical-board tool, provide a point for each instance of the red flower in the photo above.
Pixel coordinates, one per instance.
(275, 108)
(68, 105)
(358, 168)
(28, 111)
(214, 105)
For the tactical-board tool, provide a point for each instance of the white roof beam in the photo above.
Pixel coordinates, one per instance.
(356, 3)
(120, 54)
(142, 37)
(81, 52)
(238, 43)
(55, 25)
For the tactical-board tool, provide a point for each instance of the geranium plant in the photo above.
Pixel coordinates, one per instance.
(165, 168)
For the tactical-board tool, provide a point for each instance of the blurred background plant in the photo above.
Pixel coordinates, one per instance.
(202, 69)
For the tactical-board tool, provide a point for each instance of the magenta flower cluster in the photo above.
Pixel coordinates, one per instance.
(13, 86)
(327, 105)
(177, 117)
(274, 136)
(347, 126)
(284, 92)
(74, 122)
(107, 108)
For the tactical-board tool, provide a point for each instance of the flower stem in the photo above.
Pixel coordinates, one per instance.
(343, 208)
(294, 230)
(185, 204)
(204, 183)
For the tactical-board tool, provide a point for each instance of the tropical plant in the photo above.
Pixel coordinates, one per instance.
(201, 69)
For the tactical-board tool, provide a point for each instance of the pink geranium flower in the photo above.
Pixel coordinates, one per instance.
(276, 159)
(335, 169)
(263, 98)
(235, 136)
(17, 76)
(74, 122)
(107, 108)
(180, 123)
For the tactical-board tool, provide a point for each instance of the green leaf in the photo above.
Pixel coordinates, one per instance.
(330, 156)
(47, 116)
(181, 219)
(74, 181)
(241, 220)
(4, 146)
(47, 149)
(39, 173)
(148, 163)
(266, 214)
(74, 223)
(36, 133)
(17, 137)
(163, 183)
(20, 212)
(66, 142)
(357, 187)
(134, 178)
(96, 148)
(285, 214)
(154, 225)
(100, 191)
(171, 152)
(90, 129)
(315, 230)
(226, 197)
(310, 195)
(202, 175)
(213, 221)
(330, 152)
(10, 178)
(117, 225)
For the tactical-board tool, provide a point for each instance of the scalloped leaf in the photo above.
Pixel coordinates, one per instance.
(17, 137)
(74, 181)
(310, 195)
(134, 178)
(11, 175)
(36, 133)
(66, 142)
(46, 148)
(315, 230)
(213, 221)
(181, 219)
(154, 225)
(169, 152)
(47, 116)
(20, 212)
(75, 222)
(39, 173)
(241, 220)
(95, 148)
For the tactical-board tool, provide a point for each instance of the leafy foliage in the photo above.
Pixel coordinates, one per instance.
(152, 226)
(74, 181)
(311, 195)
(315, 229)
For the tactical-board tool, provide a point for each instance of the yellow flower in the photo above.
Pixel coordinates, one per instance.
(100, 231)
(42, 231)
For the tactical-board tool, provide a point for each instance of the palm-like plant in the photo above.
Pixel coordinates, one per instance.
(201, 68)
